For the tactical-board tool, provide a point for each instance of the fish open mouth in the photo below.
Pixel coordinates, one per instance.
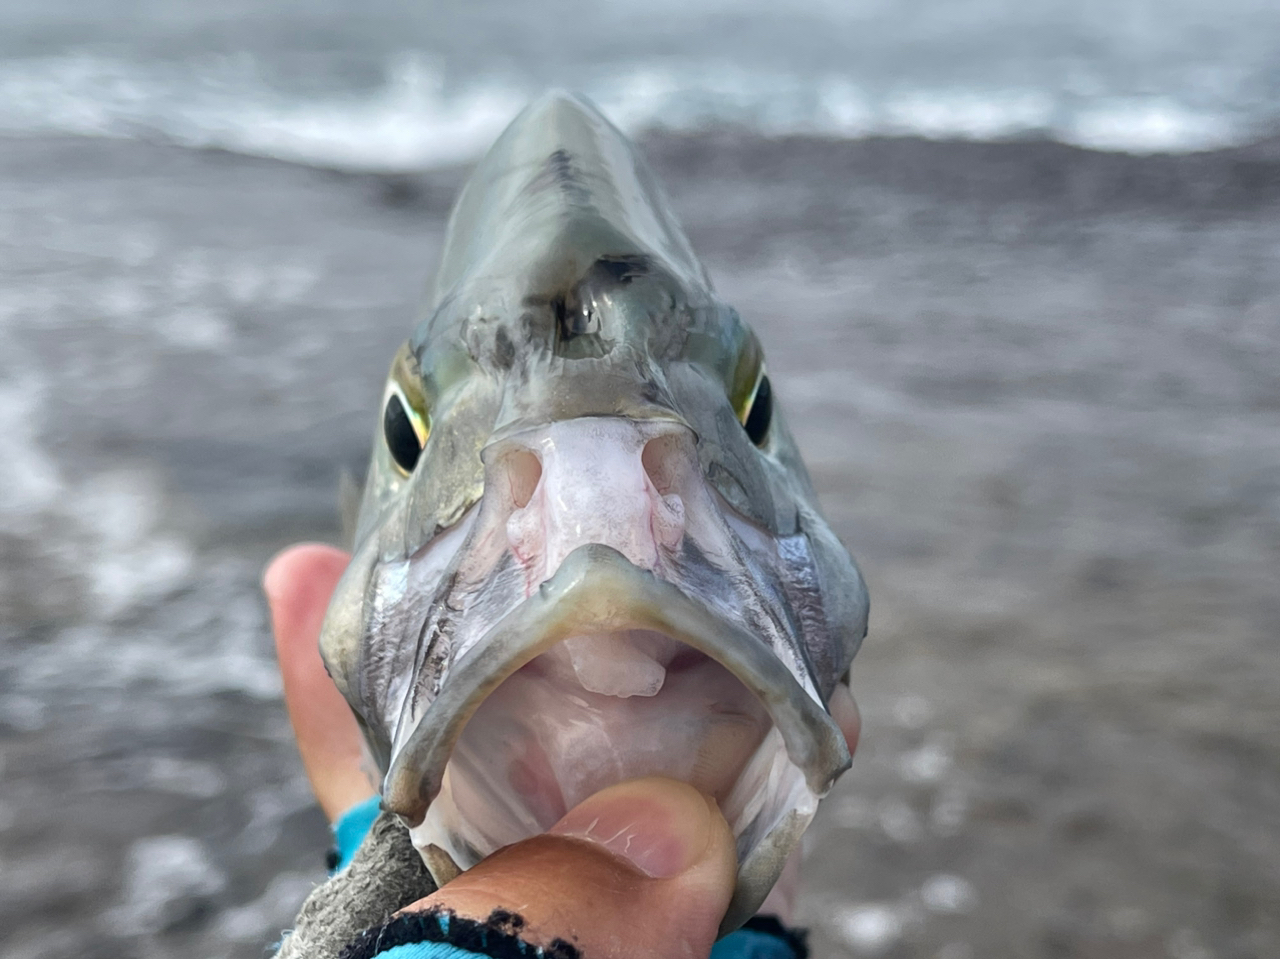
(608, 673)
(593, 711)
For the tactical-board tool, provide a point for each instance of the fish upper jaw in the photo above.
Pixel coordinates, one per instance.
(635, 485)
(594, 480)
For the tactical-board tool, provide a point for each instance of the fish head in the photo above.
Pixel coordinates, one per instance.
(588, 549)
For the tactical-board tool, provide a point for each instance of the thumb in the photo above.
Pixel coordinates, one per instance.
(640, 870)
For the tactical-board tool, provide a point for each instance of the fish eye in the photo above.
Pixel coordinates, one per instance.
(758, 413)
(404, 429)
(750, 392)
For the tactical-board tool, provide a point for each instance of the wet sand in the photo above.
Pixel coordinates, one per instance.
(1038, 388)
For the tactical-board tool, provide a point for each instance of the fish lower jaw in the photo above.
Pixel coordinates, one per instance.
(590, 712)
(544, 741)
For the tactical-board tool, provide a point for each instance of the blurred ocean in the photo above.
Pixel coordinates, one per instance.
(390, 86)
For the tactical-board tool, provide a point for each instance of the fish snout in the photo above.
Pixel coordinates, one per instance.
(597, 479)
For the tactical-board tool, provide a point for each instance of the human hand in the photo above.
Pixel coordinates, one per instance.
(641, 869)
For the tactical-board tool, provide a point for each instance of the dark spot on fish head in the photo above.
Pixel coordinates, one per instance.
(560, 164)
(538, 321)
(620, 270)
(504, 351)
(561, 175)
(579, 327)
(575, 317)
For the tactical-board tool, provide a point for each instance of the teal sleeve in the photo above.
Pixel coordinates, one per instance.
(350, 829)
(752, 944)
(743, 944)
(427, 950)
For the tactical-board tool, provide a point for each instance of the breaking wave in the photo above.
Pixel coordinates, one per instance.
(413, 119)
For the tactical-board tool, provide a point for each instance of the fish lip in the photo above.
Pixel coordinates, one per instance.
(597, 588)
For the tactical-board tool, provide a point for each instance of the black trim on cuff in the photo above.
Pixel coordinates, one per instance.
(497, 936)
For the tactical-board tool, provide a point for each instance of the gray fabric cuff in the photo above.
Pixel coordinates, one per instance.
(385, 875)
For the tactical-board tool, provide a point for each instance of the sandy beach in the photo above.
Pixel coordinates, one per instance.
(1037, 386)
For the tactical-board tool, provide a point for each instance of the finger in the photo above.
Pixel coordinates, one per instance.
(641, 870)
(845, 712)
(298, 584)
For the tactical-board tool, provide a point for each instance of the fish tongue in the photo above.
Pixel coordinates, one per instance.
(612, 665)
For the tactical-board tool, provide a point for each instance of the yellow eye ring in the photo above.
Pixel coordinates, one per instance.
(404, 428)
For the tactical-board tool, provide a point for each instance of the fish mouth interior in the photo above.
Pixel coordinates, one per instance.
(605, 674)
(589, 712)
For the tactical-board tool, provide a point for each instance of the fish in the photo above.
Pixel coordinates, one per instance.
(587, 548)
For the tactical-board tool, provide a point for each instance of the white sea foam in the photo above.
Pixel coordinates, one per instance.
(165, 879)
(29, 479)
(1150, 124)
(868, 928)
(413, 119)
